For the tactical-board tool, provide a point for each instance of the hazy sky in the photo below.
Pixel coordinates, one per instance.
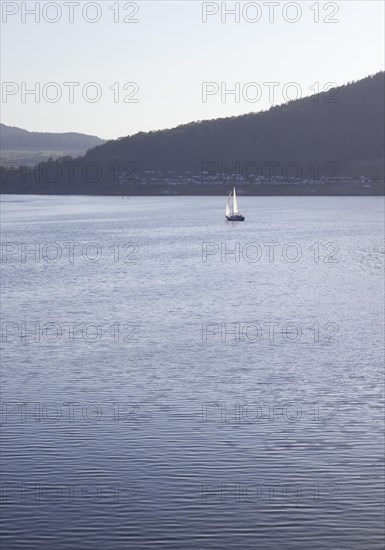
(169, 53)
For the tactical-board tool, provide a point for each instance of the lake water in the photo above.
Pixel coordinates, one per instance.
(171, 380)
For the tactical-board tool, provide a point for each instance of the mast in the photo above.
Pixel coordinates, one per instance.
(235, 203)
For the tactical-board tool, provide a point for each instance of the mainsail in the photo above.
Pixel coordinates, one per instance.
(235, 204)
(228, 211)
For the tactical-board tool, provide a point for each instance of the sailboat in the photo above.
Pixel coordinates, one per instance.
(233, 215)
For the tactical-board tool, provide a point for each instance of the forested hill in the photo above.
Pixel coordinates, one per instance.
(343, 128)
(346, 127)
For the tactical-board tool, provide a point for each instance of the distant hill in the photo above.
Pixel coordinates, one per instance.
(21, 146)
(343, 130)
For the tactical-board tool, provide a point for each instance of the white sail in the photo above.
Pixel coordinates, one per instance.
(235, 204)
(228, 211)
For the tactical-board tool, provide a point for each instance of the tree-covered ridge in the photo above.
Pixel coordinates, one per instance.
(345, 127)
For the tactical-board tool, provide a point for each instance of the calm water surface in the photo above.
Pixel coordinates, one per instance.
(175, 381)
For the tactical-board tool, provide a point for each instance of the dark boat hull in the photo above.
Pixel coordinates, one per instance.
(237, 218)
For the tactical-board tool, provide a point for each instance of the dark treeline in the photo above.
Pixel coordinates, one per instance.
(344, 127)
